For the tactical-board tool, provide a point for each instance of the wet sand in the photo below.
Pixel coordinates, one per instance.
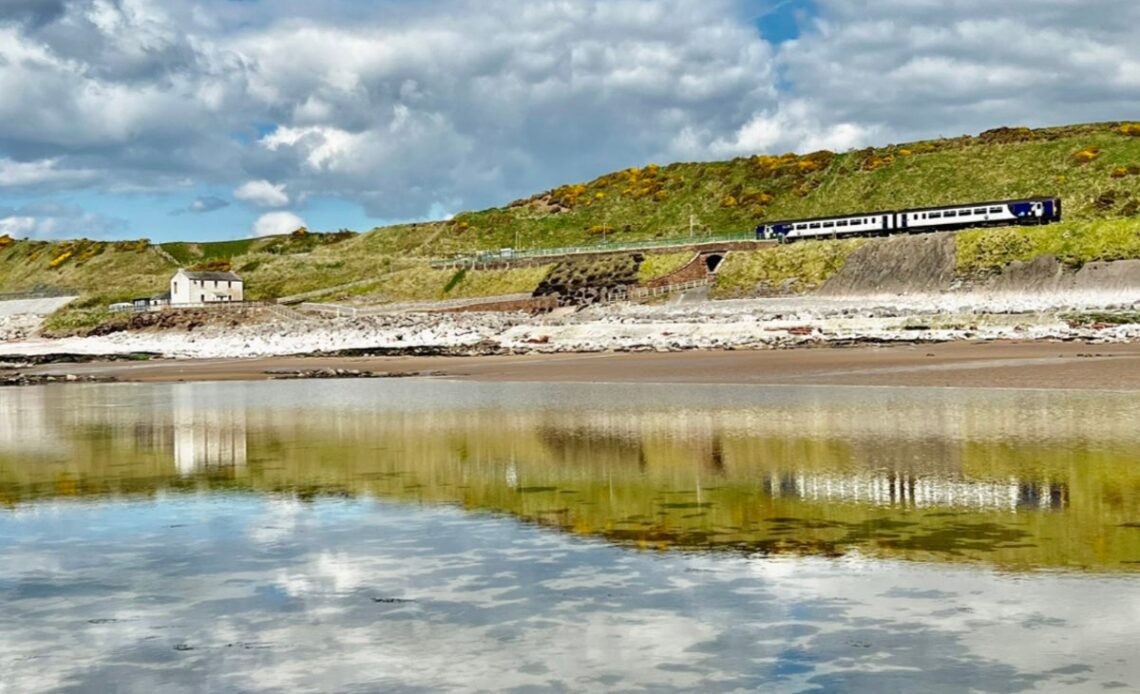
(964, 365)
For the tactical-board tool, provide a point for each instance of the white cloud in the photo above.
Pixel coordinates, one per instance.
(900, 69)
(51, 220)
(263, 194)
(275, 223)
(41, 172)
(19, 226)
(398, 106)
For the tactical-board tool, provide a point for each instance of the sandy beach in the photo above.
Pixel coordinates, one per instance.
(960, 365)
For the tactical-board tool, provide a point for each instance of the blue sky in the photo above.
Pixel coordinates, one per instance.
(211, 119)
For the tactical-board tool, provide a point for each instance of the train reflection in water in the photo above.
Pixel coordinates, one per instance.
(894, 489)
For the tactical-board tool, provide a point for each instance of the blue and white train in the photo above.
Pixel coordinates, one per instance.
(946, 218)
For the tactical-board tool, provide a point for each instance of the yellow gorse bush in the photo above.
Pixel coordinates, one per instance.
(1086, 155)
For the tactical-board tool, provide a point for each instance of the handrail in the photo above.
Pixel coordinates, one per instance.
(220, 306)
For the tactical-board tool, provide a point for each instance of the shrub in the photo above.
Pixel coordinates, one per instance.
(6, 241)
(756, 197)
(215, 265)
(728, 201)
(1086, 155)
(1006, 135)
(1130, 129)
(60, 259)
(872, 161)
(1119, 172)
(816, 161)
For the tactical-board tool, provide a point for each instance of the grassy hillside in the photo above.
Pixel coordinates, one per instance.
(1094, 168)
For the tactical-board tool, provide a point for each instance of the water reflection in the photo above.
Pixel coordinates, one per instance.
(366, 536)
(208, 435)
(1020, 479)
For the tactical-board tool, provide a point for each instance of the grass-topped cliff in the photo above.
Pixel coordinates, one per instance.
(1094, 168)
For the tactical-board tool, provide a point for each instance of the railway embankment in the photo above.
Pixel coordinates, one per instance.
(934, 264)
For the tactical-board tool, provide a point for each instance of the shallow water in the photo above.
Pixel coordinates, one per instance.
(407, 535)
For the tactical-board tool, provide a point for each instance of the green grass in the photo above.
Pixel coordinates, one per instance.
(793, 268)
(660, 265)
(189, 254)
(736, 195)
(1073, 243)
(422, 283)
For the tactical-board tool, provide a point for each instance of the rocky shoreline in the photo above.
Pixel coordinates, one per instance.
(680, 325)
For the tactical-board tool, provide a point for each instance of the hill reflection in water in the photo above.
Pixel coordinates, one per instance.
(1018, 479)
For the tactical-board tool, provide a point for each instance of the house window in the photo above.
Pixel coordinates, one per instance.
(175, 287)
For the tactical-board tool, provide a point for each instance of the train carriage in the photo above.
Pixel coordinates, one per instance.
(919, 220)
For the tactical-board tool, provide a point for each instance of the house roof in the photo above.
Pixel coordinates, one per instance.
(212, 276)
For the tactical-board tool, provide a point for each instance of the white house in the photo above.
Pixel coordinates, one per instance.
(188, 287)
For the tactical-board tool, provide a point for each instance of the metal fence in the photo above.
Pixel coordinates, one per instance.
(281, 312)
(505, 257)
(648, 292)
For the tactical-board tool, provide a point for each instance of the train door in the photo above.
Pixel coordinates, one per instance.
(904, 221)
(886, 223)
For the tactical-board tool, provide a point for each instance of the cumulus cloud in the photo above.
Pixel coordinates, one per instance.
(52, 220)
(275, 223)
(406, 108)
(399, 109)
(41, 173)
(262, 194)
(903, 69)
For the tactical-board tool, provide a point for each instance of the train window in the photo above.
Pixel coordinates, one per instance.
(950, 213)
(829, 225)
(842, 224)
(980, 211)
(995, 210)
(801, 226)
(935, 215)
(815, 226)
